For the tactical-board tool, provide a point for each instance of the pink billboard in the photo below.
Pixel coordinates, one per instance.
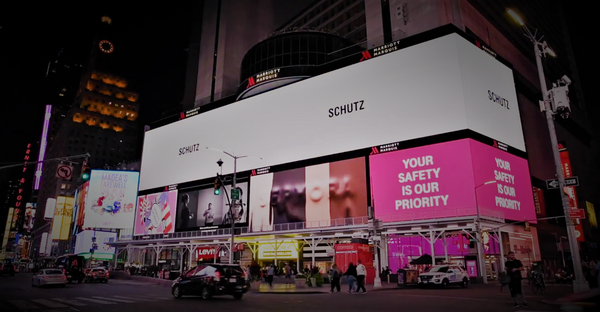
(440, 180)
(511, 196)
(156, 213)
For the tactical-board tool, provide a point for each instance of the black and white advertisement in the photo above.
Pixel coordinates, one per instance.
(199, 209)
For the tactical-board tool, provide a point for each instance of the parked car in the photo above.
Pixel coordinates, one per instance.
(97, 275)
(7, 268)
(47, 277)
(445, 275)
(209, 280)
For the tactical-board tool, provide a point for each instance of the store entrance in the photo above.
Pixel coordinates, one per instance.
(280, 265)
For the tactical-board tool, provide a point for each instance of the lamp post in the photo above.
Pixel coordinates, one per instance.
(541, 49)
(480, 256)
(235, 202)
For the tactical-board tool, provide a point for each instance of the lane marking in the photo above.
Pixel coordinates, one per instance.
(132, 297)
(23, 305)
(113, 299)
(49, 303)
(71, 302)
(94, 300)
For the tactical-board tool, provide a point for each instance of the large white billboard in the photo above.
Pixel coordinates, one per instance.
(439, 86)
(112, 198)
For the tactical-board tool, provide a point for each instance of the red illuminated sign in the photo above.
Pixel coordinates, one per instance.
(19, 198)
(570, 190)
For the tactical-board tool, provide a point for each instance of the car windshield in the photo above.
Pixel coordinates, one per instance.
(442, 269)
(51, 272)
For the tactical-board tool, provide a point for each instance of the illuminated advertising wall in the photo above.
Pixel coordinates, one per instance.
(315, 194)
(156, 213)
(403, 249)
(30, 209)
(79, 207)
(111, 199)
(50, 208)
(439, 181)
(440, 86)
(43, 144)
(591, 212)
(61, 223)
(285, 250)
(97, 240)
(523, 243)
(203, 209)
(7, 228)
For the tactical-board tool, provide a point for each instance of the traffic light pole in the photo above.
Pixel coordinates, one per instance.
(67, 158)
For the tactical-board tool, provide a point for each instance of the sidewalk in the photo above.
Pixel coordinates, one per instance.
(577, 299)
(291, 288)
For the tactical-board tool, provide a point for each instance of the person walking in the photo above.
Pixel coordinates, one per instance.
(270, 273)
(513, 268)
(288, 271)
(336, 274)
(351, 274)
(361, 272)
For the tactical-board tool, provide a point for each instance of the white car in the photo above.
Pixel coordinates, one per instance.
(49, 277)
(445, 275)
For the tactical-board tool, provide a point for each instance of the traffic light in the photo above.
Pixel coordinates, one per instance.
(85, 171)
(217, 185)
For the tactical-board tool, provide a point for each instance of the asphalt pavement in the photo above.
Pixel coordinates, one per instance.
(16, 294)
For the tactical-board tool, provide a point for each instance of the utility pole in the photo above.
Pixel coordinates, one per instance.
(232, 205)
(553, 108)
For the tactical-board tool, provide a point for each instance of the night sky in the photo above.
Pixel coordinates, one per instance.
(153, 42)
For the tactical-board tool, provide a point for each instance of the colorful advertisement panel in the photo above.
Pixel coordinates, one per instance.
(570, 190)
(156, 213)
(112, 198)
(30, 209)
(82, 195)
(591, 213)
(422, 183)
(7, 228)
(314, 195)
(67, 217)
(202, 209)
(96, 240)
(58, 217)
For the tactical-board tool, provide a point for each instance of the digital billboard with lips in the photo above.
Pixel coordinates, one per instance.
(440, 180)
(315, 194)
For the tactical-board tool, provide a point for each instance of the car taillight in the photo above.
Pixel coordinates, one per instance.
(64, 271)
(107, 272)
(243, 274)
(94, 274)
(64, 277)
(217, 276)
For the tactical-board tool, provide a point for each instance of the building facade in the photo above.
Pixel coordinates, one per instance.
(99, 119)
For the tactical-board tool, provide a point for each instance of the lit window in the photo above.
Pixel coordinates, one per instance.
(63, 186)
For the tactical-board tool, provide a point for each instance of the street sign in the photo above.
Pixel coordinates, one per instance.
(553, 184)
(64, 172)
(235, 193)
(576, 214)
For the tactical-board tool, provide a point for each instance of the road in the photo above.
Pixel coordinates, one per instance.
(16, 294)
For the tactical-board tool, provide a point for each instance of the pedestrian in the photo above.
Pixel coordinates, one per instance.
(270, 272)
(336, 274)
(351, 274)
(361, 272)
(288, 271)
(513, 268)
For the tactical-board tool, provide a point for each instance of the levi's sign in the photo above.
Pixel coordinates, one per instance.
(553, 184)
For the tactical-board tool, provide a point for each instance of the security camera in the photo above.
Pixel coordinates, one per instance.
(565, 80)
(560, 101)
(219, 162)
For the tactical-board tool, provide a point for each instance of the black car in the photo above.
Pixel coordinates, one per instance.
(7, 269)
(209, 280)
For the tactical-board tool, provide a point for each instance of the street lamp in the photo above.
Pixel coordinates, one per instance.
(235, 202)
(542, 49)
(480, 256)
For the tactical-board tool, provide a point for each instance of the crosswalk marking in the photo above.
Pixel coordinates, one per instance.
(133, 298)
(113, 299)
(50, 304)
(94, 300)
(71, 302)
(23, 305)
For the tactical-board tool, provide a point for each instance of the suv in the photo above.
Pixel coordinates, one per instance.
(445, 275)
(97, 274)
(209, 280)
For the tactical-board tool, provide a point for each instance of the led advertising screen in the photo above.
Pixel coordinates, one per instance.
(440, 180)
(438, 86)
(30, 209)
(61, 223)
(202, 209)
(111, 199)
(156, 213)
(97, 240)
(314, 194)
(79, 208)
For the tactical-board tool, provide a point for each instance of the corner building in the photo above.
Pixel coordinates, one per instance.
(417, 127)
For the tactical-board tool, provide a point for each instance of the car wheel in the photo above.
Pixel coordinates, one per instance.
(39, 284)
(445, 283)
(63, 285)
(238, 296)
(69, 281)
(79, 281)
(176, 292)
(205, 294)
(465, 283)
